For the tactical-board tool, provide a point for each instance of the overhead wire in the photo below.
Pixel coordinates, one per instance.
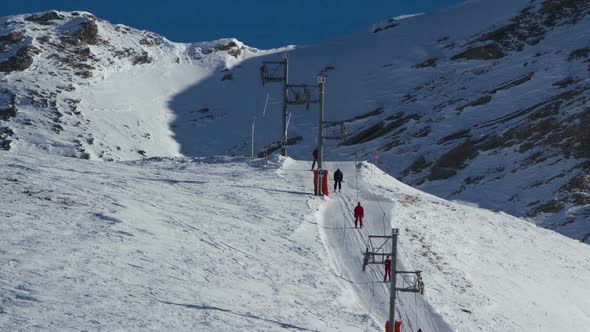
(409, 259)
(361, 240)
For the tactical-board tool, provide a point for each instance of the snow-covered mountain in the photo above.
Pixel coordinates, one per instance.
(486, 102)
(234, 244)
(76, 85)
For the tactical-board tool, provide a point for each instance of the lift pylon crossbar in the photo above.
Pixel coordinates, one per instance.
(301, 94)
(270, 72)
(336, 136)
(376, 251)
(315, 86)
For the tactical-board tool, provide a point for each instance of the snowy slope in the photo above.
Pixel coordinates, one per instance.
(85, 87)
(162, 245)
(220, 244)
(485, 102)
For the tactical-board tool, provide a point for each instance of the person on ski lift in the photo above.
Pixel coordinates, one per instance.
(315, 158)
(359, 213)
(387, 264)
(338, 180)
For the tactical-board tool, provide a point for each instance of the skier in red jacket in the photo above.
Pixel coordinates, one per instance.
(359, 213)
(387, 264)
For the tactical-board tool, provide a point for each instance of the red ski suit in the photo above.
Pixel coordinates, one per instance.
(359, 213)
(387, 264)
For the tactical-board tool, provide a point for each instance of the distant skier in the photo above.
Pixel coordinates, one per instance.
(315, 158)
(387, 264)
(359, 213)
(338, 180)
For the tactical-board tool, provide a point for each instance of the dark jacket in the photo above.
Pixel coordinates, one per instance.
(338, 175)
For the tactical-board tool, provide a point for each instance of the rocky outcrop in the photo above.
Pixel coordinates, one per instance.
(529, 27)
(142, 59)
(10, 110)
(485, 52)
(231, 47)
(381, 128)
(12, 38)
(448, 164)
(5, 138)
(45, 18)
(478, 102)
(417, 166)
(512, 83)
(389, 24)
(429, 63)
(581, 53)
(22, 60)
(86, 34)
(548, 207)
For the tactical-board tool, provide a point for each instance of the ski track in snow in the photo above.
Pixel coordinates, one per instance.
(233, 244)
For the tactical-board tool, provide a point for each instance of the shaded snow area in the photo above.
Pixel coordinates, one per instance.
(230, 244)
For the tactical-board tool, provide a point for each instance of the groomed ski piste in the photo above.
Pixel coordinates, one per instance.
(236, 244)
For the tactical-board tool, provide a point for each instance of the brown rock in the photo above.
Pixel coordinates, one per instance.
(581, 53)
(87, 34)
(579, 183)
(22, 60)
(45, 18)
(580, 198)
(12, 38)
(448, 164)
(456, 157)
(417, 166)
(144, 58)
(480, 101)
(549, 207)
(485, 52)
(427, 63)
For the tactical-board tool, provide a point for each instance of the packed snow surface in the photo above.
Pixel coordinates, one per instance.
(230, 244)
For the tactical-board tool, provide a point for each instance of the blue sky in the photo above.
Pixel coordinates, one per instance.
(259, 23)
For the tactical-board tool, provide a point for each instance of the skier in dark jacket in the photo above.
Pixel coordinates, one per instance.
(338, 180)
(315, 158)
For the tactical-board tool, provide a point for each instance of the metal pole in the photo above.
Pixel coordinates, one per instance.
(321, 82)
(394, 234)
(253, 124)
(285, 91)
